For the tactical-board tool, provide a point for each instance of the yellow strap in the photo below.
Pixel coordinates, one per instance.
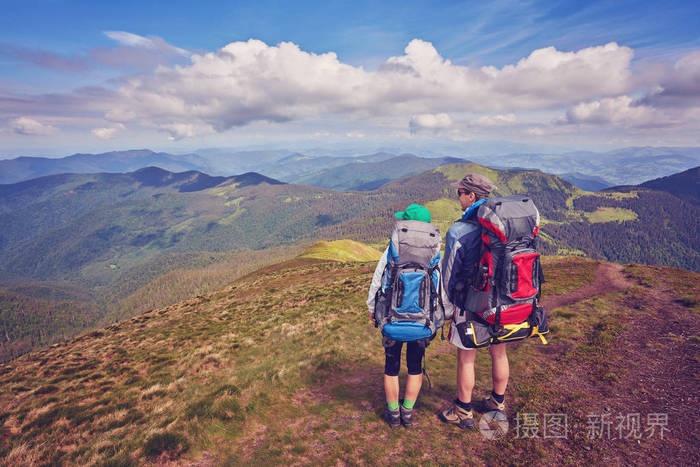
(516, 327)
(535, 330)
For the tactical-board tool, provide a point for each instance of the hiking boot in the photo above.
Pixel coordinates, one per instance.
(393, 418)
(456, 415)
(406, 416)
(491, 404)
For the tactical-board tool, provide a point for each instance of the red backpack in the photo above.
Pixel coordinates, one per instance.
(507, 277)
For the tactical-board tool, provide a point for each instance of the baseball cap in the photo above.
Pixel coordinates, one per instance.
(415, 212)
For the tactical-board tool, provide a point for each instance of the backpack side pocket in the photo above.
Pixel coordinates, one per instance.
(521, 277)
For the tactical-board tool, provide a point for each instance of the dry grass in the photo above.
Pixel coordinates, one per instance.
(283, 367)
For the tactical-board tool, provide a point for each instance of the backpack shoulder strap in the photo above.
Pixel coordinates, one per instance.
(469, 221)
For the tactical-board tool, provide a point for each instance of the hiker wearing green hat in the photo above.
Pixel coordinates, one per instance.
(414, 223)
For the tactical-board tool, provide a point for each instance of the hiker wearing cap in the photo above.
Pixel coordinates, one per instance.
(414, 222)
(462, 248)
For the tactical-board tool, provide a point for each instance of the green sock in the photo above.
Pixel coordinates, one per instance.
(408, 404)
(393, 406)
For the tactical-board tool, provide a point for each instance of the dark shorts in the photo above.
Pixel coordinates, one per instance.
(414, 356)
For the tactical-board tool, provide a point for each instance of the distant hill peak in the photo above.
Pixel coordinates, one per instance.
(197, 181)
(684, 185)
(127, 153)
(254, 178)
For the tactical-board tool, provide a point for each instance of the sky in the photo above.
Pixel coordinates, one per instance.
(96, 76)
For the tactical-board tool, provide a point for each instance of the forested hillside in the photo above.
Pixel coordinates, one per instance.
(684, 185)
(633, 225)
(660, 229)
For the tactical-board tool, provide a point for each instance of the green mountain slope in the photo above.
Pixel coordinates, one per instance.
(283, 367)
(28, 321)
(431, 188)
(631, 225)
(586, 182)
(92, 227)
(685, 185)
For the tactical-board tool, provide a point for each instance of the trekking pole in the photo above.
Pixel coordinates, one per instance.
(425, 373)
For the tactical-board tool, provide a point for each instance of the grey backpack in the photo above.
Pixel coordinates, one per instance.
(407, 306)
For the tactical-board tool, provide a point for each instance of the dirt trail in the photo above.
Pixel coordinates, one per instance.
(608, 278)
(651, 370)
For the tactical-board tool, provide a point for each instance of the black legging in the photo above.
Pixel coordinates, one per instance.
(414, 355)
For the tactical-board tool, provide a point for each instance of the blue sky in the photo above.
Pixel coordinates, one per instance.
(76, 75)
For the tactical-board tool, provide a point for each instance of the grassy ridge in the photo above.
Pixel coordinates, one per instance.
(283, 367)
(342, 250)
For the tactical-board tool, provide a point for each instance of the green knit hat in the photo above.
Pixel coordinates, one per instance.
(414, 212)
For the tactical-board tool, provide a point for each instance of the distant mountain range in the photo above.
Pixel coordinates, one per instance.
(92, 228)
(628, 166)
(585, 182)
(587, 170)
(278, 164)
(26, 168)
(366, 175)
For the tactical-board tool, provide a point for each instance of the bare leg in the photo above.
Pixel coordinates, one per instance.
(413, 384)
(391, 388)
(465, 374)
(500, 371)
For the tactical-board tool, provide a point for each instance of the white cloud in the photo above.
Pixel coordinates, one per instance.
(153, 43)
(496, 120)
(180, 131)
(535, 131)
(620, 111)
(251, 81)
(554, 77)
(107, 133)
(31, 127)
(430, 122)
(679, 86)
